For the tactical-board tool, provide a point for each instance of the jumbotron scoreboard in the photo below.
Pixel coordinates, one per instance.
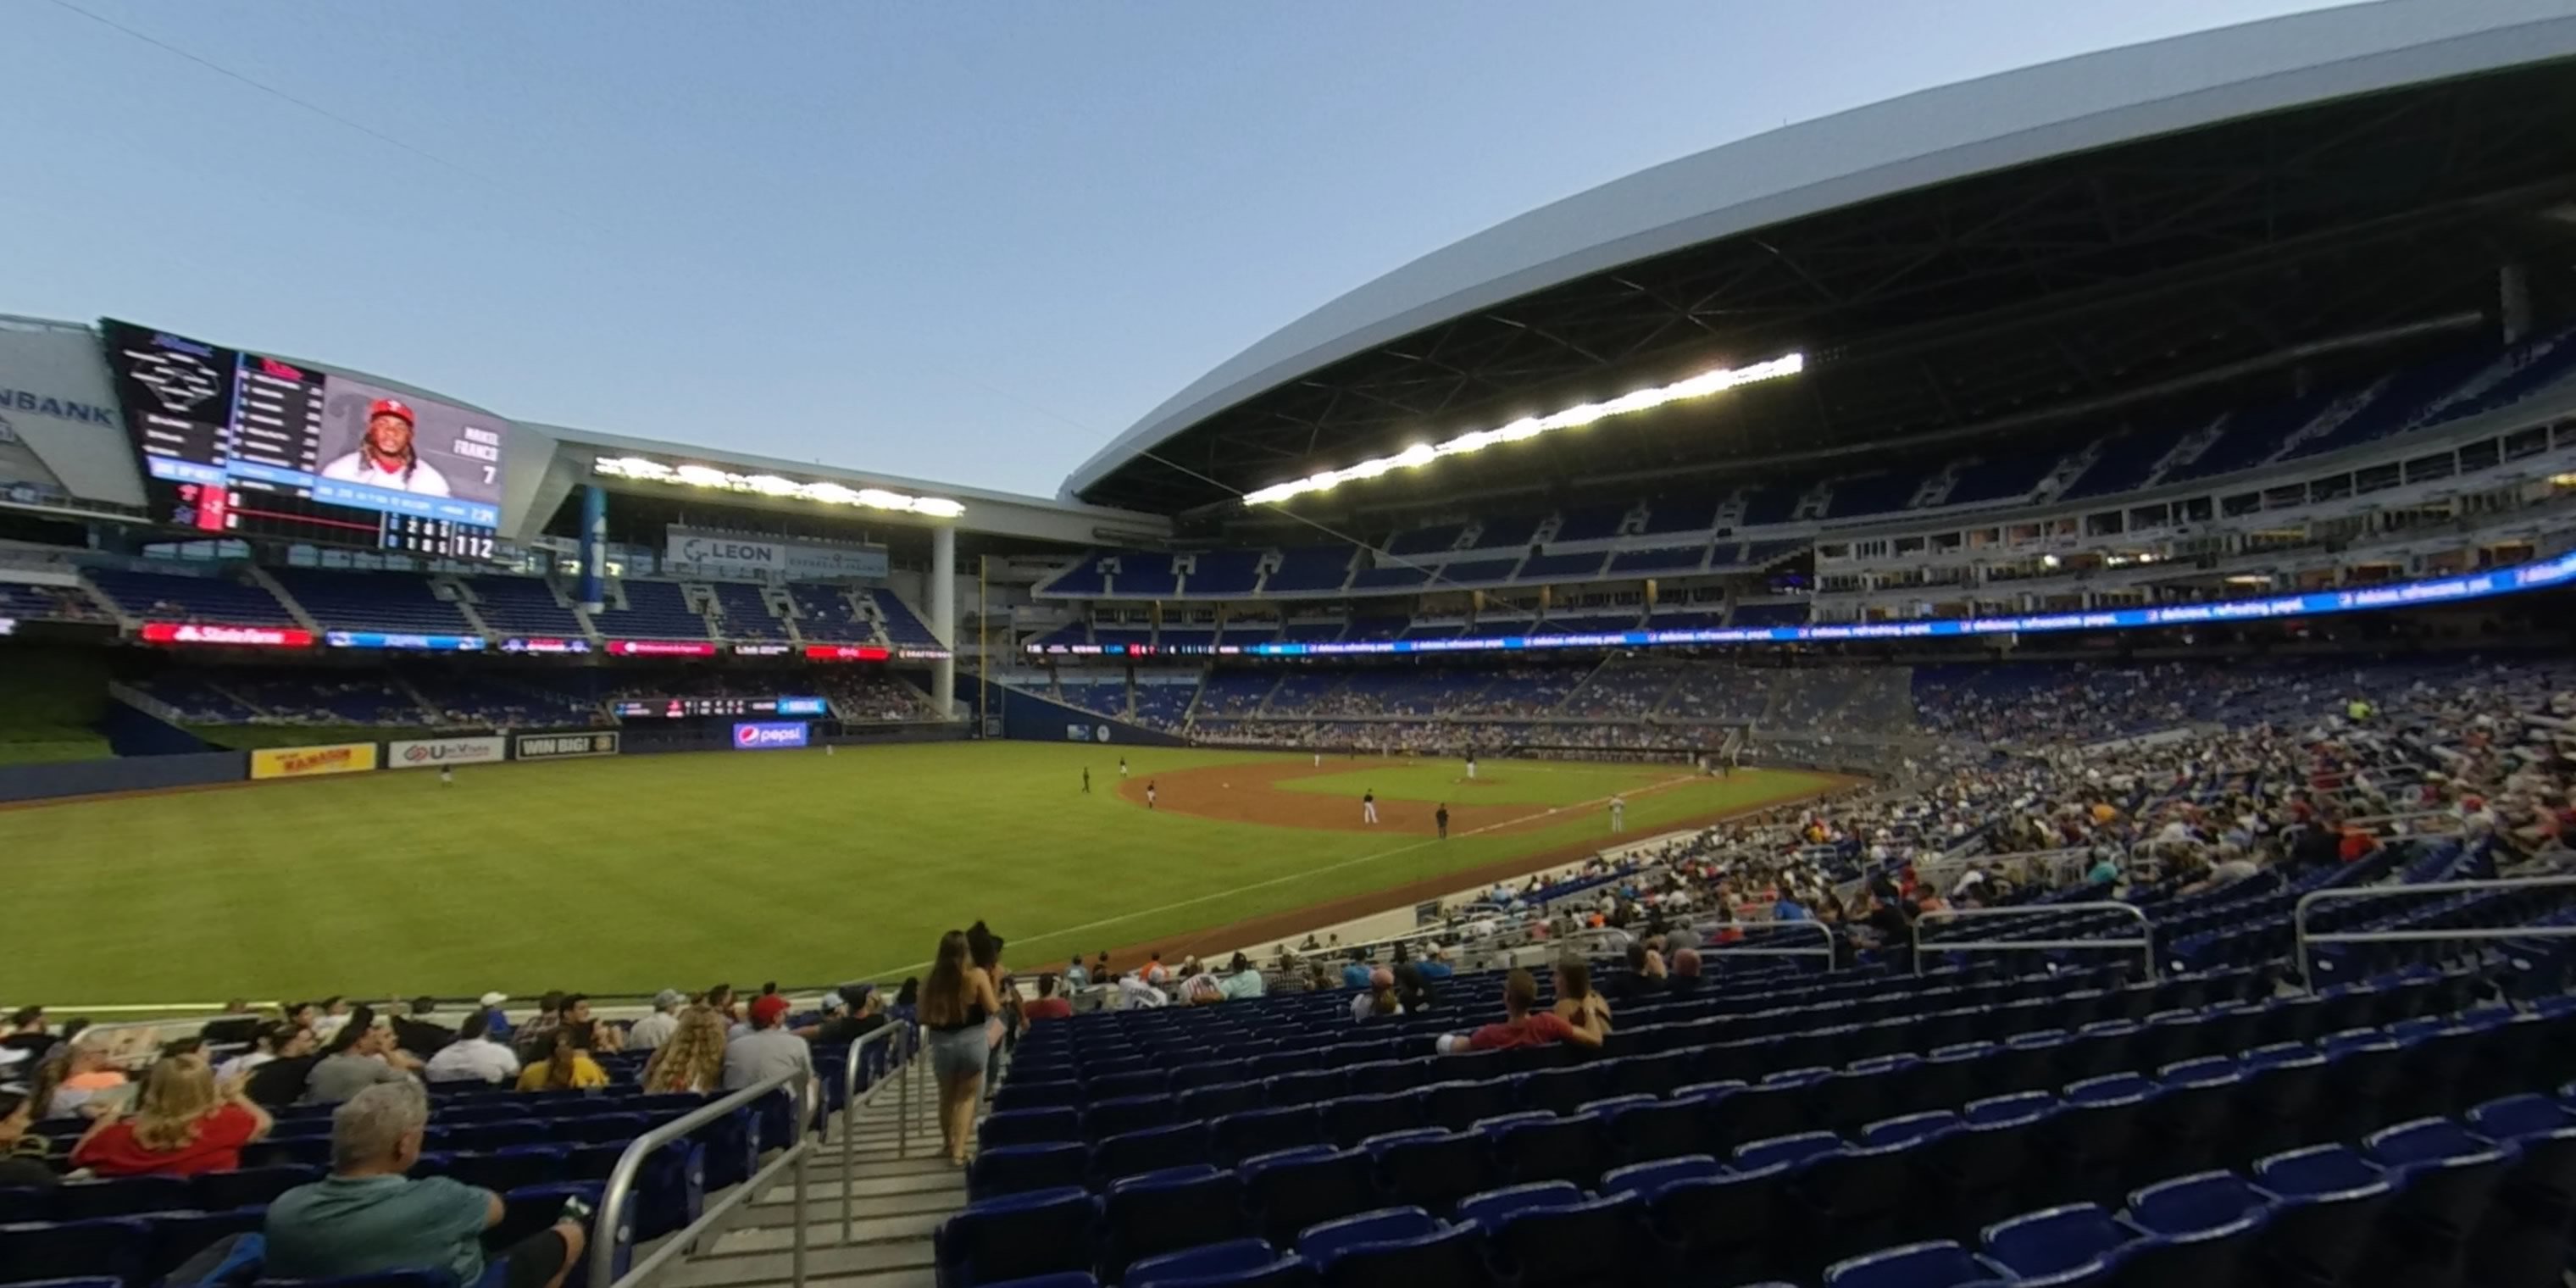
(721, 708)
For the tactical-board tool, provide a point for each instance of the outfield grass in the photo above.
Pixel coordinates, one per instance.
(635, 873)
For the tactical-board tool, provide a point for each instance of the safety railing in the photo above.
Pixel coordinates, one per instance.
(1756, 932)
(2145, 943)
(615, 1200)
(903, 1040)
(2305, 943)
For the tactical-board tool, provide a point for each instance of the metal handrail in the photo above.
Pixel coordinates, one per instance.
(2145, 943)
(1824, 950)
(901, 1035)
(621, 1182)
(2305, 941)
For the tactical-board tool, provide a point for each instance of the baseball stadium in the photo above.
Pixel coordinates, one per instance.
(1972, 691)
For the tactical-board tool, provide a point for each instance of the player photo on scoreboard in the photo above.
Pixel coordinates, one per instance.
(382, 438)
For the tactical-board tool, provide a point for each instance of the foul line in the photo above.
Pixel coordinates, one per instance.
(1230, 892)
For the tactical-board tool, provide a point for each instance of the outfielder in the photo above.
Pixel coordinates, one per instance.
(1368, 806)
(1618, 813)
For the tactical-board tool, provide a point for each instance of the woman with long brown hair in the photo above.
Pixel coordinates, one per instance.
(692, 1059)
(957, 1008)
(183, 1124)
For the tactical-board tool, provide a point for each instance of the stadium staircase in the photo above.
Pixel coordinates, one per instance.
(899, 1196)
(260, 577)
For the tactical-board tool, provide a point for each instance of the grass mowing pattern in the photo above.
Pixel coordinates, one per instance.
(629, 874)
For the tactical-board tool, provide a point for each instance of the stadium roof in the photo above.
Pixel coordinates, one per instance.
(2066, 233)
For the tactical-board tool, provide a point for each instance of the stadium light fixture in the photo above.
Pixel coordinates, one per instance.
(1420, 454)
(646, 469)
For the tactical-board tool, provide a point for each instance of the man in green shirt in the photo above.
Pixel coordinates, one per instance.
(368, 1217)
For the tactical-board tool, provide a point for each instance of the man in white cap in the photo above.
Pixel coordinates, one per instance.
(655, 1029)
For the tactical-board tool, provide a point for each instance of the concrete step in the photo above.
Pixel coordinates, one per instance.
(869, 1223)
(823, 1263)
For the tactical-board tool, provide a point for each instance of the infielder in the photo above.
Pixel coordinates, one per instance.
(1618, 813)
(1471, 766)
(1122, 768)
(1149, 794)
(1368, 806)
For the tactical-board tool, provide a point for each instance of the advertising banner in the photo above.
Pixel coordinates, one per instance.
(768, 735)
(543, 644)
(712, 552)
(215, 633)
(429, 753)
(660, 648)
(309, 762)
(563, 746)
(393, 639)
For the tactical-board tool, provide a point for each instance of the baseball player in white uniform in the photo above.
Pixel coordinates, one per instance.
(1618, 813)
(1368, 806)
(1471, 766)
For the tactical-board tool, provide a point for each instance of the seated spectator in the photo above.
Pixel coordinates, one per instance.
(1134, 993)
(419, 1034)
(1198, 987)
(361, 1054)
(1644, 979)
(767, 1050)
(278, 1080)
(537, 1036)
(497, 1025)
(266, 1043)
(1685, 979)
(22, 1152)
(655, 1029)
(1412, 992)
(1576, 1003)
(183, 1124)
(576, 1014)
(694, 1058)
(1355, 972)
(368, 1218)
(1244, 981)
(1049, 1006)
(1435, 963)
(474, 1056)
(1074, 975)
(335, 1015)
(1524, 1024)
(1379, 999)
(568, 1067)
(1154, 972)
(848, 1018)
(73, 1074)
(27, 1032)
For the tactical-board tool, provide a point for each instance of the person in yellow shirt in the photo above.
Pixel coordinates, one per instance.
(568, 1067)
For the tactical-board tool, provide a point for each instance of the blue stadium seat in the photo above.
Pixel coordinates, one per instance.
(1155, 1148)
(89, 1200)
(1235, 1137)
(1294, 1188)
(1016, 1236)
(178, 1236)
(1352, 1119)
(1937, 1264)
(1016, 1169)
(1571, 1148)
(1430, 1168)
(1567, 1241)
(1235, 1263)
(2328, 1205)
(1447, 1258)
(1029, 1127)
(114, 1247)
(1166, 1211)
(1721, 1226)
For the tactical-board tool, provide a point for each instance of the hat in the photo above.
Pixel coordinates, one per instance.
(767, 1009)
(833, 1002)
(391, 407)
(668, 998)
(495, 998)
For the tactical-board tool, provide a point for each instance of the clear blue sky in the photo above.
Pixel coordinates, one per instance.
(967, 242)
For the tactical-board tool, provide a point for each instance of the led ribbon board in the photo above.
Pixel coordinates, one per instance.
(2413, 594)
(1420, 454)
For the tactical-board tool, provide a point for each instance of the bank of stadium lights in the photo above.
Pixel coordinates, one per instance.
(1420, 454)
(645, 469)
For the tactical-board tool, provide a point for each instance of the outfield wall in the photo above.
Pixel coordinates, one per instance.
(122, 774)
(1031, 717)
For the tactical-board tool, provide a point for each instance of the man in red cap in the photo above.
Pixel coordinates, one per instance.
(768, 1050)
(385, 455)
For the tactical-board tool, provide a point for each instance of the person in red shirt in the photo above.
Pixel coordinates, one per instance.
(1048, 1006)
(183, 1124)
(1524, 1025)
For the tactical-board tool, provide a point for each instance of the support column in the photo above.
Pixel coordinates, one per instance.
(2513, 302)
(943, 618)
